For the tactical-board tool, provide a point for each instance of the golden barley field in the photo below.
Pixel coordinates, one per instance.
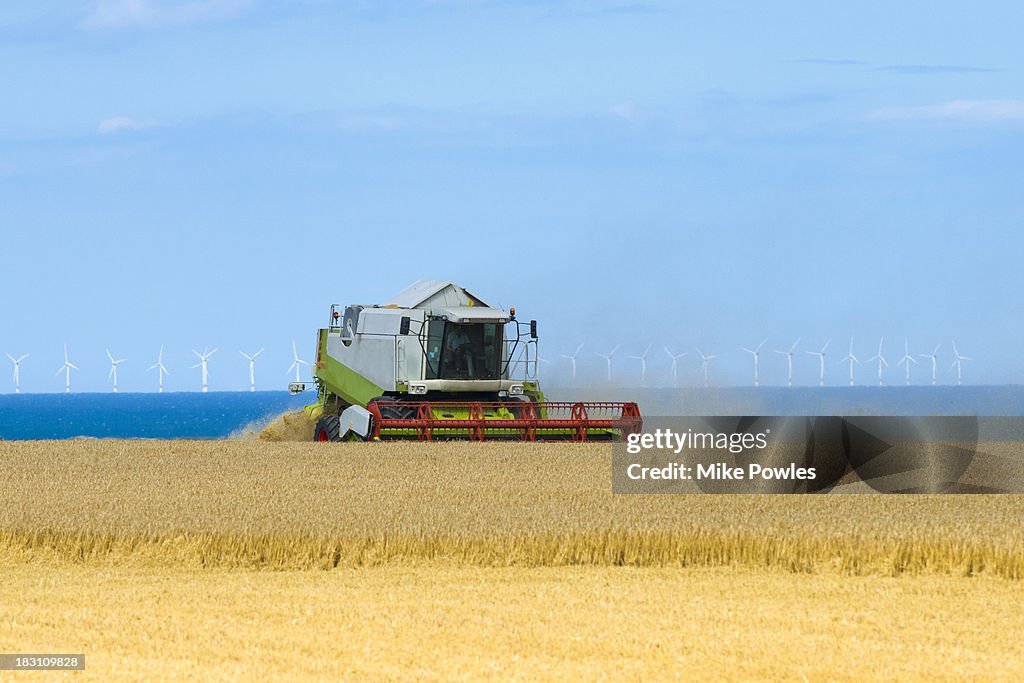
(242, 560)
(311, 506)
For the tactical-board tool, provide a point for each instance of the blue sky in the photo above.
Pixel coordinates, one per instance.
(218, 172)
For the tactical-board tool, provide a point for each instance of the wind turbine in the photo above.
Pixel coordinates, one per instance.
(66, 369)
(159, 367)
(756, 353)
(705, 361)
(789, 362)
(852, 358)
(907, 358)
(204, 357)
(643, 365)
(572, 359)
(17, 371)
(957, 358)
(675, 365)
(821, 357)
(113, 369)
(252, 368)
(881, 360)
(932, 356)
(608, 360)
(296, 362)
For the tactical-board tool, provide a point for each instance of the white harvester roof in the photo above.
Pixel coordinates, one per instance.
(435, 294)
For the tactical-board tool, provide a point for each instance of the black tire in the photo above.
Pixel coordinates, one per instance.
(328, 428)
(394, 412)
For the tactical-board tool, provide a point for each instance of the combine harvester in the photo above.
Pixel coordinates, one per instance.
(438, 363)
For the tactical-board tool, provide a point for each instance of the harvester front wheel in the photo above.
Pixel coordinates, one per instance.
(328, 428)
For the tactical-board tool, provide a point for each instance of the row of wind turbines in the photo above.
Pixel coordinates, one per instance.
(850, 358)
(115, 363)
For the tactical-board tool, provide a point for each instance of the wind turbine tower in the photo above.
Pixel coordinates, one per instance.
(907, 358)
(66, 369)
(296, 362)
(643, 365)
(756, 353)
(161, 370)
(881, 360)
(17, 371)
(705, 361)
(821, 358)
(789, 362)
(252, 368)
(957, 359)
(608, 361)
(113, 368)
(852, 359)
(675, 365)
(932, 357)
(572, 360)
(204, 358)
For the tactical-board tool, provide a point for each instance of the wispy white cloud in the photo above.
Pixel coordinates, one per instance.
(370, 123)
(927, 69)
(120, 14)
(627, 111)
(120, 124)
(970, 111)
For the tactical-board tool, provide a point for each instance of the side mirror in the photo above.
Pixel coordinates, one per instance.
(403, 327)
(533, 329)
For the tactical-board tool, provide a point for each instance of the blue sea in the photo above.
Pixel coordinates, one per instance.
(219, 415)
(184, 415)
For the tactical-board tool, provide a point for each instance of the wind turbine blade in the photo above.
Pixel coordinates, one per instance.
(198, 355)
(747, 350)
(258, 353)
(791, 348)
(212, 352)
(111, 373)
(109, 356)
(763, 341)
(247, 356)
(966, 358)
(14, 361)
(913, 360)
(59, 370)
(825, 347)
(197, 365)
(72, 366)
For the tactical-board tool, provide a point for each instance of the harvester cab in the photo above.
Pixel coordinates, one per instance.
(438, 362)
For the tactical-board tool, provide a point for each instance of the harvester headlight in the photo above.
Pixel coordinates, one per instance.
(417, 388)
(515, 390)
